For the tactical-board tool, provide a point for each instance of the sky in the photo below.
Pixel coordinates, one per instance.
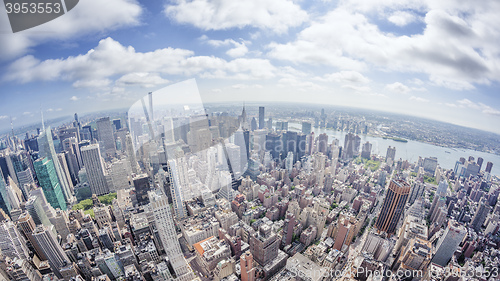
(434, 59)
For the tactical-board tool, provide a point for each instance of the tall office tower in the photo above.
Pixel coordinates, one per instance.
(35, 207)
(310, 143)
(261, 118)
(131, 154)
(442, 188)
(417, 190)
(77, 121)
(253, 124)
(4, 197)
(26, 225)
(176, 190)
(448, 243)
(47, 241)
(489, 166)
(241, 139)
(106, 136)
(91, 156)
(480, 161)
(166, 228)
(6, 165)
(394, 202)
(288, 228)
(322, 143)
(25, 180)
(351, 146)
(247, 269)
(234, 155)
(306, 128)
(264, 245)
(366, 150)
(47, 150)
(274, 145)
(141, 185)
(391, 153)
(86, 133)
(482, 211)
(47, 178)
(301, 146)
(12, 243)
(117, 123)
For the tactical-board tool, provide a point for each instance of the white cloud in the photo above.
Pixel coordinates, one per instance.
(299, 84)
(2, 117)
(26, 113)
(402, 18)
(398, 87)
(416, 81)
(50, 110)
(141, 78)
(74, 98)
(418, 99)
(92, 83)
(87, 17)
(455, 49)
(240, 49)
(486, 109)
(58, 109)
(246, 86)
(363, 89)
(97, 67)
(345, 76)
(276, 15)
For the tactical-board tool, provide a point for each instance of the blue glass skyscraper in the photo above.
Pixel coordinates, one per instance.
(47, 177)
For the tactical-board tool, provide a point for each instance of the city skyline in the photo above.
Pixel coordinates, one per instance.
(433, 60)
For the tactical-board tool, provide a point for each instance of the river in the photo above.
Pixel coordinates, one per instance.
(411, 150)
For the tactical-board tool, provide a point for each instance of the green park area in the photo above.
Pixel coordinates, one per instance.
(86, 205)
(369, 164)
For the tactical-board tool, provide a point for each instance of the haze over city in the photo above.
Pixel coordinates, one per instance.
(434, 60)
(252, 140)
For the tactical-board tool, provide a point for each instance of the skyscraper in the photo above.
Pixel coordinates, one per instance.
(366, 150)
(105, 133)
(482, 212)
(253, 124)
(247, 269)
(47, 241)
(47, 177)
(264, 245)
(4, 198)
(391, 153)
(92, 161)
(489, 166)
(394, 202)
(12, 243)
(448, 243)
(261, 117)
(26, 225)
(306, 128)
(46, 146)
(176, 190)
(166, 228)
(480, 162)
(289, 226)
